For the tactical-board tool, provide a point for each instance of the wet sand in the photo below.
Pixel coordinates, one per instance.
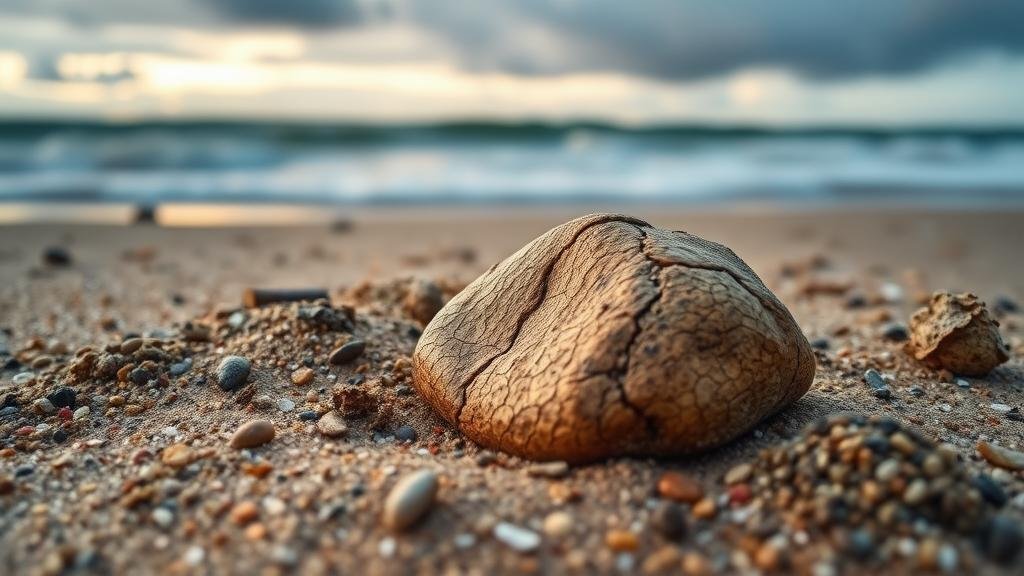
(90, 501)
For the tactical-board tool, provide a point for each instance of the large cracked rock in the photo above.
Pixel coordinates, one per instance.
(609, 337)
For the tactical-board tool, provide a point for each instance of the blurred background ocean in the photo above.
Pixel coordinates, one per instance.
(393, 102)
(151, 163)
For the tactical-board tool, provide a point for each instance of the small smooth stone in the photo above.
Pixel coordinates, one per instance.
(405, 434)
(303, 376)
(232, 372)
(556, 469)
(179, 368)
(679, 487)
(285, 405)
(252, 434)
(705, 509)
(861, 544)
(332, 424)
(23, 378)
(916, 492)
(177, 455)
(56, 256)
(515, 537)
(347, 352)
(62, 397)
(963, 384)
(916, 391)
(410, 499)
(739, 474)
(1001, 408)
(948, 558)
(669, 520)
(1004, 539)
(895, 332)
(59, 435)
(308, 415)
(621, 540)
(1001, 457)
(44, 406)
(558, 524)
(887, 470)
(990, 490)
(163, 517)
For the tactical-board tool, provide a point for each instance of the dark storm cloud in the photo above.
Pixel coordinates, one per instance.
(305, 13)
(664, 39)
(688, 39)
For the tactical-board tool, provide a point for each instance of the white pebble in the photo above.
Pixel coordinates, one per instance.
(23, 378)
(163, 517)
(516, 538)
(948, 558)
(194, 555)
(285, 405)
(465, 541)
(81, 413)
(387, 547)
(1001, 408)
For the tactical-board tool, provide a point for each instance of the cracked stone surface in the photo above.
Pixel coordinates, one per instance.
(609, 337)
(956, 332)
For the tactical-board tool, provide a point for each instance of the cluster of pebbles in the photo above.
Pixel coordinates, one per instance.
(872, 493)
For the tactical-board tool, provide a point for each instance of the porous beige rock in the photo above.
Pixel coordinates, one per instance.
(956, 332)
(606, 337)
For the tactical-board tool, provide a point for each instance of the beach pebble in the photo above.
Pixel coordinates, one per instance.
(62, 397)
(410, 499)
(232, 372)
(1003, 539)
(423, 300)
(556, 469)
(739, 473)
(177, 455)
(252, 434)
(56, 256)
(895, 332)
(669, 520)
(23, 379)
(179, 368)
(877, 384)
(1001, 457)
(405, 434)
(162, 517)
(285, 405)
(347, 352)
(515, 537)
(332, 424)
(44, 406)
(558, 524)
(679, 487)
(303, 376)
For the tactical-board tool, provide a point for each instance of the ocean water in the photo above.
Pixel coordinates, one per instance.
(153, 163)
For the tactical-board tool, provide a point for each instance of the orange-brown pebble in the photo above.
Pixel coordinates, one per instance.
(705, 509)
(621, 540)
(302, 376)
(256, 531)
(695, 564)
(252, 434)
(244, 512)
(679, 487)
(177, 455)
(767, 558)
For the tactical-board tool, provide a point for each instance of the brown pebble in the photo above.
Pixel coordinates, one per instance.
(302, 376)
(705, 509)
(332, 425)
(1001, 457)
(252, 434)
(621, 540)
(679, 487)
(695, 564)
(177, 455)
(244, 512)
(739, 474)
(347, 352)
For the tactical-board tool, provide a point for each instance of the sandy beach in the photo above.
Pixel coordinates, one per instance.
(113, 492)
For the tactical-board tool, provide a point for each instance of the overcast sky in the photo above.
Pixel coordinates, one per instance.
(780, 61)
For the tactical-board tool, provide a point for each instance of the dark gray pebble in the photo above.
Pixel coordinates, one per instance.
(56, 256)
(1003, 539)
(861, 544)
(308, 415)
(62, 397)
(669, 520)
(895, 332)
(405, 434)
(179, 368)
(990, 490)
(348, 352)
(820, 344)
(22, 471)
(59, 435)
(232, 372)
